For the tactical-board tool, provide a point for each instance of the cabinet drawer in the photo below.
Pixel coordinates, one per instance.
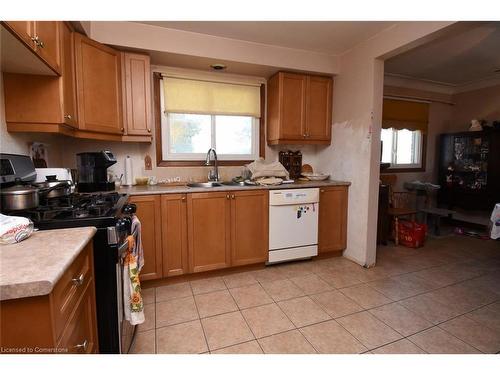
(70, 287)
(80, 333)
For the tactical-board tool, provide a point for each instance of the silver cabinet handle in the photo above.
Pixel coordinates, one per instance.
(232, 196)
(227, 196)
(41, 44)
(68, 117)
(78, 280)
(84, 345)
(149, 130)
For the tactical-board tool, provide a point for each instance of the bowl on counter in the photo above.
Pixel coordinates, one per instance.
(141, 181)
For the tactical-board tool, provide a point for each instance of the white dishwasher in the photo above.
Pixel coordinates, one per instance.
(293, 224)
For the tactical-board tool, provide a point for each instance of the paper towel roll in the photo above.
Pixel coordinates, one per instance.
(129, 178)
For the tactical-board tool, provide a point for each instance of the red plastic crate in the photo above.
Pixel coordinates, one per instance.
(411, 233)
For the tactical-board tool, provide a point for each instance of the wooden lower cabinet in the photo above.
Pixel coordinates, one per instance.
(332, 229)
(63, 321)
(174, 234)
(80, 334)
(209, 231)
(198, 232)
(249, 227)
(149, 213)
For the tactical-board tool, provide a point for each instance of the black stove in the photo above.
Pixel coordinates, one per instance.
(78, 210)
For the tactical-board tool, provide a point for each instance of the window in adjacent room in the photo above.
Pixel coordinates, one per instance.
(402, 148)
(197, 115)
(404, 128)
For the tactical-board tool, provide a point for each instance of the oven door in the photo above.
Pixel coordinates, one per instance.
(126, 330)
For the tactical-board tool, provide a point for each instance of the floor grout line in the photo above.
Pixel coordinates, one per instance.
(199, 318)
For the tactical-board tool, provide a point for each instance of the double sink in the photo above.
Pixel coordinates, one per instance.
(212, 184)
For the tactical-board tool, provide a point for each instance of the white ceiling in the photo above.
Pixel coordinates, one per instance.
(329, 37)
(462, 58)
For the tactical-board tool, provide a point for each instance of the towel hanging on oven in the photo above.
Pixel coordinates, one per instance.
(132, 265)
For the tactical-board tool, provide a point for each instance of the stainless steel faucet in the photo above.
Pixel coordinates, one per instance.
(213, 174)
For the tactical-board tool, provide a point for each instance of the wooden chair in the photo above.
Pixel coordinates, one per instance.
(401, 204)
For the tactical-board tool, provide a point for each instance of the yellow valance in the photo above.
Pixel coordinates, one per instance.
(405, 114)
(205, 97)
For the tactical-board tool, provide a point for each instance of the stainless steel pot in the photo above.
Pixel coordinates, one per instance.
(19, 197)
(23, 197)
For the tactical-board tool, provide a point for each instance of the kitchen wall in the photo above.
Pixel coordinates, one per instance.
(481, 104)
(138, 152)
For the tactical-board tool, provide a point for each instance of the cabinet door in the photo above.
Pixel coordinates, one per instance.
(68, 76)
(149, 213)
(24, 30)
(80, 335)
(49, 42)
(332, 219)
(137, 86)
(209, 232)
(98, 78)
(249, 227)
(319, 108)
(174, 234)
(292, 108)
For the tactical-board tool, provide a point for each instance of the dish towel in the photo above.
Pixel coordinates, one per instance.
(132, 264)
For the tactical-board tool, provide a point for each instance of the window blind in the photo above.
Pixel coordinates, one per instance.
(405, 114)
(205, 97)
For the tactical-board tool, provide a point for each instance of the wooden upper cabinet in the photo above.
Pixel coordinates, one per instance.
(48, 42)
(24, 30)
(249, 227)
(149, 213)
(99, 90)
(42, 100)
(292, 111)
(174, 234)
(209, 231)
(70, 113)
(299, 109)
(42, 37)
(319, 108)
(137, 94)
(332, 218)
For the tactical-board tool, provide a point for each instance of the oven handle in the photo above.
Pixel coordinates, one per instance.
(122, 249)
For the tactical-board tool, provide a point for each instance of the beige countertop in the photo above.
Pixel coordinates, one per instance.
(32, 267)
(172, 189)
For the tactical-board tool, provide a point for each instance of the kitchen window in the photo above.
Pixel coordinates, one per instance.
(403, 136)
(197, 115)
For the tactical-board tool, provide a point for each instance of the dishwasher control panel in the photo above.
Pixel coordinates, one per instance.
(293, 196)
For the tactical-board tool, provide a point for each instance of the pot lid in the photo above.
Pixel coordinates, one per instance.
(19, 190)
(49, 184)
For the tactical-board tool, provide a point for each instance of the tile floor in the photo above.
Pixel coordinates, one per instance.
(443, 298)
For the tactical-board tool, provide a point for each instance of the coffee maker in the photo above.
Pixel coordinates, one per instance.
(92, 171)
